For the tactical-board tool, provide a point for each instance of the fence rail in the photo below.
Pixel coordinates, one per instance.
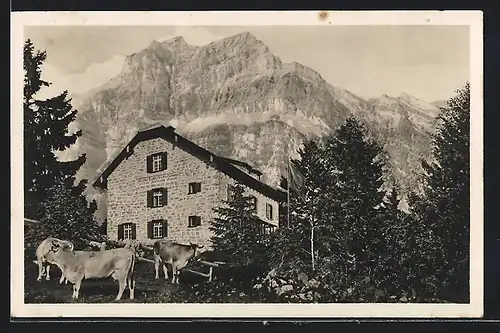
(208, 275)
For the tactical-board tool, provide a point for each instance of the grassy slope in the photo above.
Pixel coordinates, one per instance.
(192, 289)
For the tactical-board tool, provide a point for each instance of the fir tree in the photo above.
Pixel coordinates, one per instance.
(66, 214)
(45, 130)
(237, 231)
(300, 243)
(442, 211)
(353, 200)
(394, 259)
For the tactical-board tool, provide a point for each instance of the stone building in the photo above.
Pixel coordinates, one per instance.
(163, 185)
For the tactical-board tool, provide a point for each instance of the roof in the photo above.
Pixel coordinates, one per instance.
(242, 164)
(223, 164)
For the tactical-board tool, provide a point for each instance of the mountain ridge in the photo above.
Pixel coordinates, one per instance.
(236, 98)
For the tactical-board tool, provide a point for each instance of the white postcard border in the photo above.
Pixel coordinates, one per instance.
(472, 18)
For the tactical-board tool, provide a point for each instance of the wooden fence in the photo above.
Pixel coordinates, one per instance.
(137, 245)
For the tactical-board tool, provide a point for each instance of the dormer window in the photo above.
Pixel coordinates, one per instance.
(156, 162)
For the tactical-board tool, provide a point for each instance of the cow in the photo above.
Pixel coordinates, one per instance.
(82, 254)
(118, 263)
(41, 256)
(178, 255)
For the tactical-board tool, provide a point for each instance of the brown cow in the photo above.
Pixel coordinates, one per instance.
(117, 263)
(175, 254)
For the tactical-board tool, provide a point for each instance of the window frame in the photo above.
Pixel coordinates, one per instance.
(156, 162)
(269, 211)
(194, 187)
(156, 159)
(154, 195)
(159, 197)
(196, 218)
(127, 227)
(159, 224)
(254, 203)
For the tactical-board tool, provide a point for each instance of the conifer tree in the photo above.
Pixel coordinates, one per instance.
(299, 244)
(66, 214)
(442, 211)
(353, 200)
(392, 247)
(237, 232)
(45, 130)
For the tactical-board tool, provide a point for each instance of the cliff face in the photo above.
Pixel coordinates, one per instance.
(236, 98)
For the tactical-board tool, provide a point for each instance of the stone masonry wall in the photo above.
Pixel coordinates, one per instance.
(129, 182)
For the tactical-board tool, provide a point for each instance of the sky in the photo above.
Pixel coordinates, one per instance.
(428, 62)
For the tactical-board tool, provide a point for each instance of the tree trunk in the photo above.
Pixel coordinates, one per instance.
(312, 246)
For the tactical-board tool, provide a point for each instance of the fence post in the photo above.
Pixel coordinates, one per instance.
(210, 274)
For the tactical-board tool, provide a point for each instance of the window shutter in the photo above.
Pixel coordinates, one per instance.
(270, 212)
(198, 187)
(150, 229)
(165, 228)
(149, 164)
(133, 230)
(120, 232)
(150, 198)
(165, 196)
(164, 160)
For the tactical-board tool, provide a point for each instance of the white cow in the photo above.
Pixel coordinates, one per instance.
(117, 263)
(41, 256)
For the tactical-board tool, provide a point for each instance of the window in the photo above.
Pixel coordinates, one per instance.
(194, 188)
(269, 211)
(157, 229)
(126, 231)
(157, 197)
(253, 203)
(156, 162)
(194, 221)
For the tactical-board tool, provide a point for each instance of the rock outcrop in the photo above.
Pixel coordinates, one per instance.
(233, 96)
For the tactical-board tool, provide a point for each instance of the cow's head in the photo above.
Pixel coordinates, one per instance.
(64, 245)
(196, 249)
(55, 246)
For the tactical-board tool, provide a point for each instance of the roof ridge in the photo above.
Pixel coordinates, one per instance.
(221, 163)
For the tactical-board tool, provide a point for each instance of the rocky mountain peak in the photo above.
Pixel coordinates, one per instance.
(236, 98)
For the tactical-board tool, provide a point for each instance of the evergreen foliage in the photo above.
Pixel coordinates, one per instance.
(442, 212)
(45, 130)
(237, 231)
(66, 214)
